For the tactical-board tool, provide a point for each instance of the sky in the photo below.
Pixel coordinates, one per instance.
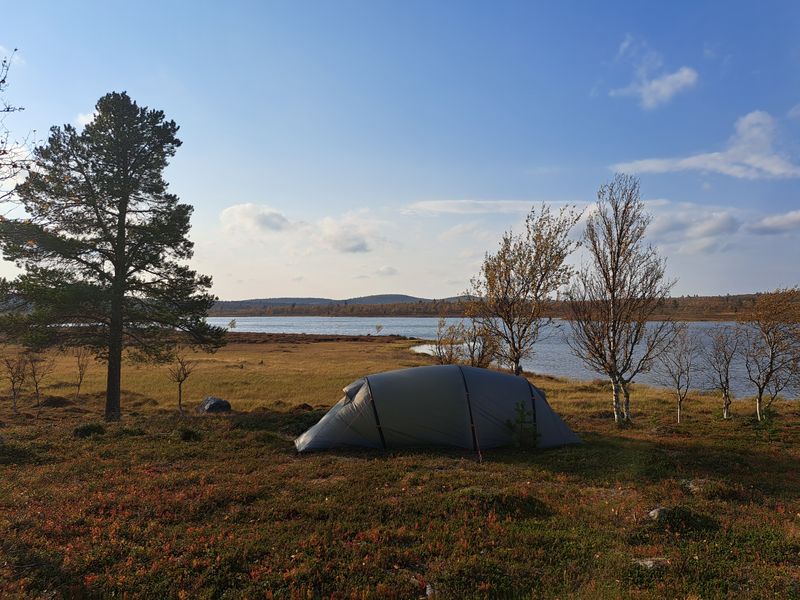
(342, 149)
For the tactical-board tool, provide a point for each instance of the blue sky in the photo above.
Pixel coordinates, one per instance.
(348, 148)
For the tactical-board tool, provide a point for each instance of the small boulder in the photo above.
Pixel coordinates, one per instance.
(212, 404)
(651, 563)
(304, 407)
(695, 486)
(659, 513)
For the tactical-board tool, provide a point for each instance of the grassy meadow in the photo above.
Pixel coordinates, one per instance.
(164, 506)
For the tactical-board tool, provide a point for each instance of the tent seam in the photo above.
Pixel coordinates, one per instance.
(375, 413)
(475, 445)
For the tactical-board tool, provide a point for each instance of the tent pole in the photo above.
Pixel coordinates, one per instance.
(375, 412)
(533, 409)
(475, 445)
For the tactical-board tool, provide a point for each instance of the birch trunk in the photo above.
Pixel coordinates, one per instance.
(617, 411)
(626, 410)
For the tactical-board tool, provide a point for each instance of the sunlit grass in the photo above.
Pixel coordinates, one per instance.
(196, 506)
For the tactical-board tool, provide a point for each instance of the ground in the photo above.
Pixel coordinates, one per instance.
(161, 505)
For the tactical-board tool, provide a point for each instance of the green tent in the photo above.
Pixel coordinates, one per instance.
(447, 405)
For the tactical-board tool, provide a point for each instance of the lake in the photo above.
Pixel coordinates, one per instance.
(552, 355)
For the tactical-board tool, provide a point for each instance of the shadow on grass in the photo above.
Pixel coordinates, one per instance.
(42, 569)
(292, 422)
(13, 454)
(602, 459)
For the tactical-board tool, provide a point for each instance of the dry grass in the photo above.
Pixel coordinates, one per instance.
(167, 506)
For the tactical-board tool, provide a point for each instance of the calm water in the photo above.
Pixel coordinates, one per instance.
(552, 355)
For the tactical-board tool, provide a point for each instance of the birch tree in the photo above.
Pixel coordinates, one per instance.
(771, 345)
(14, 155)
(515, 284)
(178, 372)
(677, 364)
(616, 293)
(15, 368)
(718, 358)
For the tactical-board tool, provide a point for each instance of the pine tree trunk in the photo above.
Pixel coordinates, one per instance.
(113, 383)
(116, 328)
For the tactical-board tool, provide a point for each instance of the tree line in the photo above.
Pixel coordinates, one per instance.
(683, 308)
(611, 304)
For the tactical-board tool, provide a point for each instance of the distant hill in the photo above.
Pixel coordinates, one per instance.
(256, 304)
(690, 308)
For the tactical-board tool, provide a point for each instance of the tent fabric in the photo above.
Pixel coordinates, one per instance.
(446, 405)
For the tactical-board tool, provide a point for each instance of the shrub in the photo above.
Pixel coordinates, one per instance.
(188, 435)
(89, 430)
(130, 431)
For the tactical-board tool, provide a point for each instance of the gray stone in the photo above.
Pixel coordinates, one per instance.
(652, 563)
(212, 404)
(695, 486)
(659, 513)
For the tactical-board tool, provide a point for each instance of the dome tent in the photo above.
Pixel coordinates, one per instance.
(445, 405)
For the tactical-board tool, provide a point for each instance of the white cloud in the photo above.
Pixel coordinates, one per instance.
(253, 218)
(650, 85)
(750, 154)
(692, 228)
(776, 224)
(386, 271)
(83, 119)
(469, 207)
(794, 112)
(351, 233)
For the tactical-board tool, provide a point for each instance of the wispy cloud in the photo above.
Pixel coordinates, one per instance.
(692, 228)
(386, 271)
(651, 84)
(253, 218)
(777, 224)
(351, 233)
(794, 112)
(469, 207)
(750, 154)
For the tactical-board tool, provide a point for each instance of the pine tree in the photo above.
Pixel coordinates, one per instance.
(104, 245)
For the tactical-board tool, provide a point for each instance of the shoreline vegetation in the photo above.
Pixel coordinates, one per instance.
(163, 504)
(683, 308)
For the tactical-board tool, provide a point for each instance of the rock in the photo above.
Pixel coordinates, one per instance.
(652, 563)
(212, 404)
(659, 513)
(304, 407)
(695, 486)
